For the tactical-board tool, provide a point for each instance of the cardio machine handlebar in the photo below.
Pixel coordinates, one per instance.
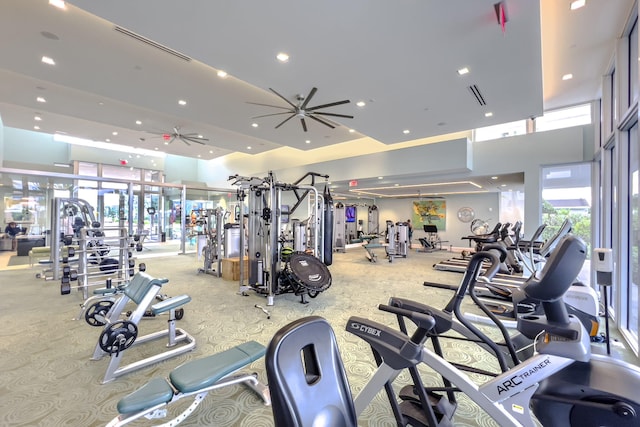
(422, 320)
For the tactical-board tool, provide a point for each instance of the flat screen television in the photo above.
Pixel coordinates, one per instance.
(350, 213)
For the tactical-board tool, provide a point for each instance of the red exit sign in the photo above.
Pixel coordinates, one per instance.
(353, 183)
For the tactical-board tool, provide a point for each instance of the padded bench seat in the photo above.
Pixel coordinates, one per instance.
(192, 376)
(170, 304)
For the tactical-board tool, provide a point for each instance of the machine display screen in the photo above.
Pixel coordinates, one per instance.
(350, 213)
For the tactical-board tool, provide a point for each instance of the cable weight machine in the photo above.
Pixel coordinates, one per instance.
(285, 255)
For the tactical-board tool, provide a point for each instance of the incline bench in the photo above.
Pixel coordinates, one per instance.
(196, 377)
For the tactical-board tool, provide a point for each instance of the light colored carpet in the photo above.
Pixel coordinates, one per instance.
(48, 379)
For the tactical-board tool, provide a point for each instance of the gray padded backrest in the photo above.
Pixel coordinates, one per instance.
(138, 286)
(307, 381)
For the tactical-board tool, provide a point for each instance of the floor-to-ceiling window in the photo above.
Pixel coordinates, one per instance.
(633, 221)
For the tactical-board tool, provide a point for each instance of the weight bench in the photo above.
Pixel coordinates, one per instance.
(371, 255)
(196, 377)
(118, 335)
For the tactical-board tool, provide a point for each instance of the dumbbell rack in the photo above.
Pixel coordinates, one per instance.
(82, 273)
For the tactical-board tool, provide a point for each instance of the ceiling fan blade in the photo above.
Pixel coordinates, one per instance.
(285, 99)
(308, 98)
(196, 140)
(173, 138)
(304, 124)
(268, 105)
(317, 107)
(194, 136)
(285, 120)
(324, 122)
(274, 114)
(346, 116)
(185, 141)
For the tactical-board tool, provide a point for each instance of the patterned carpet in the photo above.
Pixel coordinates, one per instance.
(48, 379)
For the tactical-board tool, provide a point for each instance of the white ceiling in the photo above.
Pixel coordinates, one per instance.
(399, 57)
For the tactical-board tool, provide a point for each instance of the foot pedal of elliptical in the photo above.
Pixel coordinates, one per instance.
(440, 404)
(414, 415)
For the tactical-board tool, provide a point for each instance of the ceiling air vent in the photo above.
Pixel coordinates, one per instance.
(151, 43)
(477, 95)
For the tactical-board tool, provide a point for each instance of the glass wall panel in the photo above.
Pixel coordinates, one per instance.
(566, 117)
(566, 194)
(631, 321)
(501, 131)
(633, 64)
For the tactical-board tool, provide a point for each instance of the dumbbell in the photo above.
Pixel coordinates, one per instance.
(65, 286)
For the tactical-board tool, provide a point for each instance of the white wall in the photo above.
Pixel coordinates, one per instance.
(485, 205)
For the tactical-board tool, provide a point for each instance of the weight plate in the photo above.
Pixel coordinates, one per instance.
(118, 336)
(96, 314)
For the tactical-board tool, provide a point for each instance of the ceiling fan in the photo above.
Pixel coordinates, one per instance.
(187, 138)
(301, 111)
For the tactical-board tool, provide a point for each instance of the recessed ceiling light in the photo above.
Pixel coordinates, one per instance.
(210, 151)
(155, 148)
(577, 4)
(182, 102)
(361, 103)
(200, 136)
(199, 156)
(41, 99)
(308, 141)
(222, 74)
(406, 131)
(463, 71)
(249, 147)
(166, 143)
(380, 177)
(138, 122)
(396, 185)
(114, 133)
(567, 76)
(107, 140)
(282, 57)
(494, 177)
(488, 114)
(503, 185)
(352, 130)
(57, 3)
(37, 118)
(48, 60)
(255, 125)
(36, 127)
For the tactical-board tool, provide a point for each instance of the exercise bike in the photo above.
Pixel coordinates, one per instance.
(562, 383)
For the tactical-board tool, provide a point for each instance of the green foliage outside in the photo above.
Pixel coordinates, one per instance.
(554, 218)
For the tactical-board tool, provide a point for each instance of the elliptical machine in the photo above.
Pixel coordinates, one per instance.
(562, 382)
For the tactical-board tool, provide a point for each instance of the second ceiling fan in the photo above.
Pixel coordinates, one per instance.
(187, 138)
(302, 111)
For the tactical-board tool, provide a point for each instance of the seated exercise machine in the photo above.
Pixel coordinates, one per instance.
(432, 241)
(95, 308)
(194, 378)
(562, 384)
(119, 335)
